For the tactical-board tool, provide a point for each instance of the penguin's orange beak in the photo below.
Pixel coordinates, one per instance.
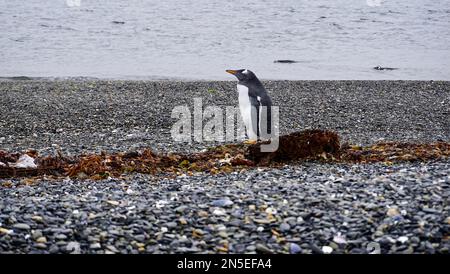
(231, 71)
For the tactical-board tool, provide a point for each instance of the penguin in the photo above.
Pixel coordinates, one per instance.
(252, 98)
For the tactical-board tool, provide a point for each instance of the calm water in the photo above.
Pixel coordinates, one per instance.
(199, 39)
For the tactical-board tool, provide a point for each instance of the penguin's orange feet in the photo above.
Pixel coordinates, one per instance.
(250, 142)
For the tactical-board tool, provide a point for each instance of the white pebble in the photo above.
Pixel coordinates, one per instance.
(327, 249)
(403, 239)
(219, 212)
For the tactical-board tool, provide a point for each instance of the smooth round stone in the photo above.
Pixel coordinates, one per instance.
(181, 209)
(250, 248)
(22, 226)
(327, 249)
(139, 238)
(222, 203)
(223, 234)
(171, 224)
(53, 249)
(61, 237)
(41, 240)
(36, 234)
(285, 227)
(263, 249)
(73, 247)
(294, 248)
(41, 245)
(95, 246)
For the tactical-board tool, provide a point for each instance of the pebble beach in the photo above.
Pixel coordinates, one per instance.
(302, 208)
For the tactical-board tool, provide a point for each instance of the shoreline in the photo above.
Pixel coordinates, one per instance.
(22, 78)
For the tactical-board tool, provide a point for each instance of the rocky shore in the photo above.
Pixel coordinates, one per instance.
(307, 208)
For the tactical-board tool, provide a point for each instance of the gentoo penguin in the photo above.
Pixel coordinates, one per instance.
(252, 97)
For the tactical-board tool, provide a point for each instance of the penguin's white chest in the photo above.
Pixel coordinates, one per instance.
(246, 111)
(244, 100)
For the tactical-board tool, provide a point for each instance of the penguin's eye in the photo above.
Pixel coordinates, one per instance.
(245, 72)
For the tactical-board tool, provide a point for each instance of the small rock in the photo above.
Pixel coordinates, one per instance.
(409, 250)
(339, 239)
(5, 231)
(73, 247)
(334, 245)
(294, 248)
(285, 227)
(37, 219)
(262, 221)
(250, 248)
(140, 237)
(53, 249)
(95, 246)
(392, 211)
(222, 203)
(129, 191)
(327, 249)
(113, 203)
(219, 212)
(430, 210)
(181, 209)
(223, 234)
(379, 233)
(41, 240)
(183, 221)
(36, 234)
(403, 239)
(171, 225)
(22, 226)
(198, 233)
(271, 211)
(41, 245)
(61, 237)
(112, 248)
(262, 248)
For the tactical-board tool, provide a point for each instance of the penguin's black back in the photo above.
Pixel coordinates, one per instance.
(256, 89)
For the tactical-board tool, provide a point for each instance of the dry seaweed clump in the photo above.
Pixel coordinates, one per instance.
(14, 165)
(308, 145)
(390, 152)
(105, 165)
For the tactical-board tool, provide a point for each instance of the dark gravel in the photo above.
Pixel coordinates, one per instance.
(123, 115)
(309, 208)
(296, 209)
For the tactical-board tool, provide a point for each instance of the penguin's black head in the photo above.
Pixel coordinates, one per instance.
(242, 74)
